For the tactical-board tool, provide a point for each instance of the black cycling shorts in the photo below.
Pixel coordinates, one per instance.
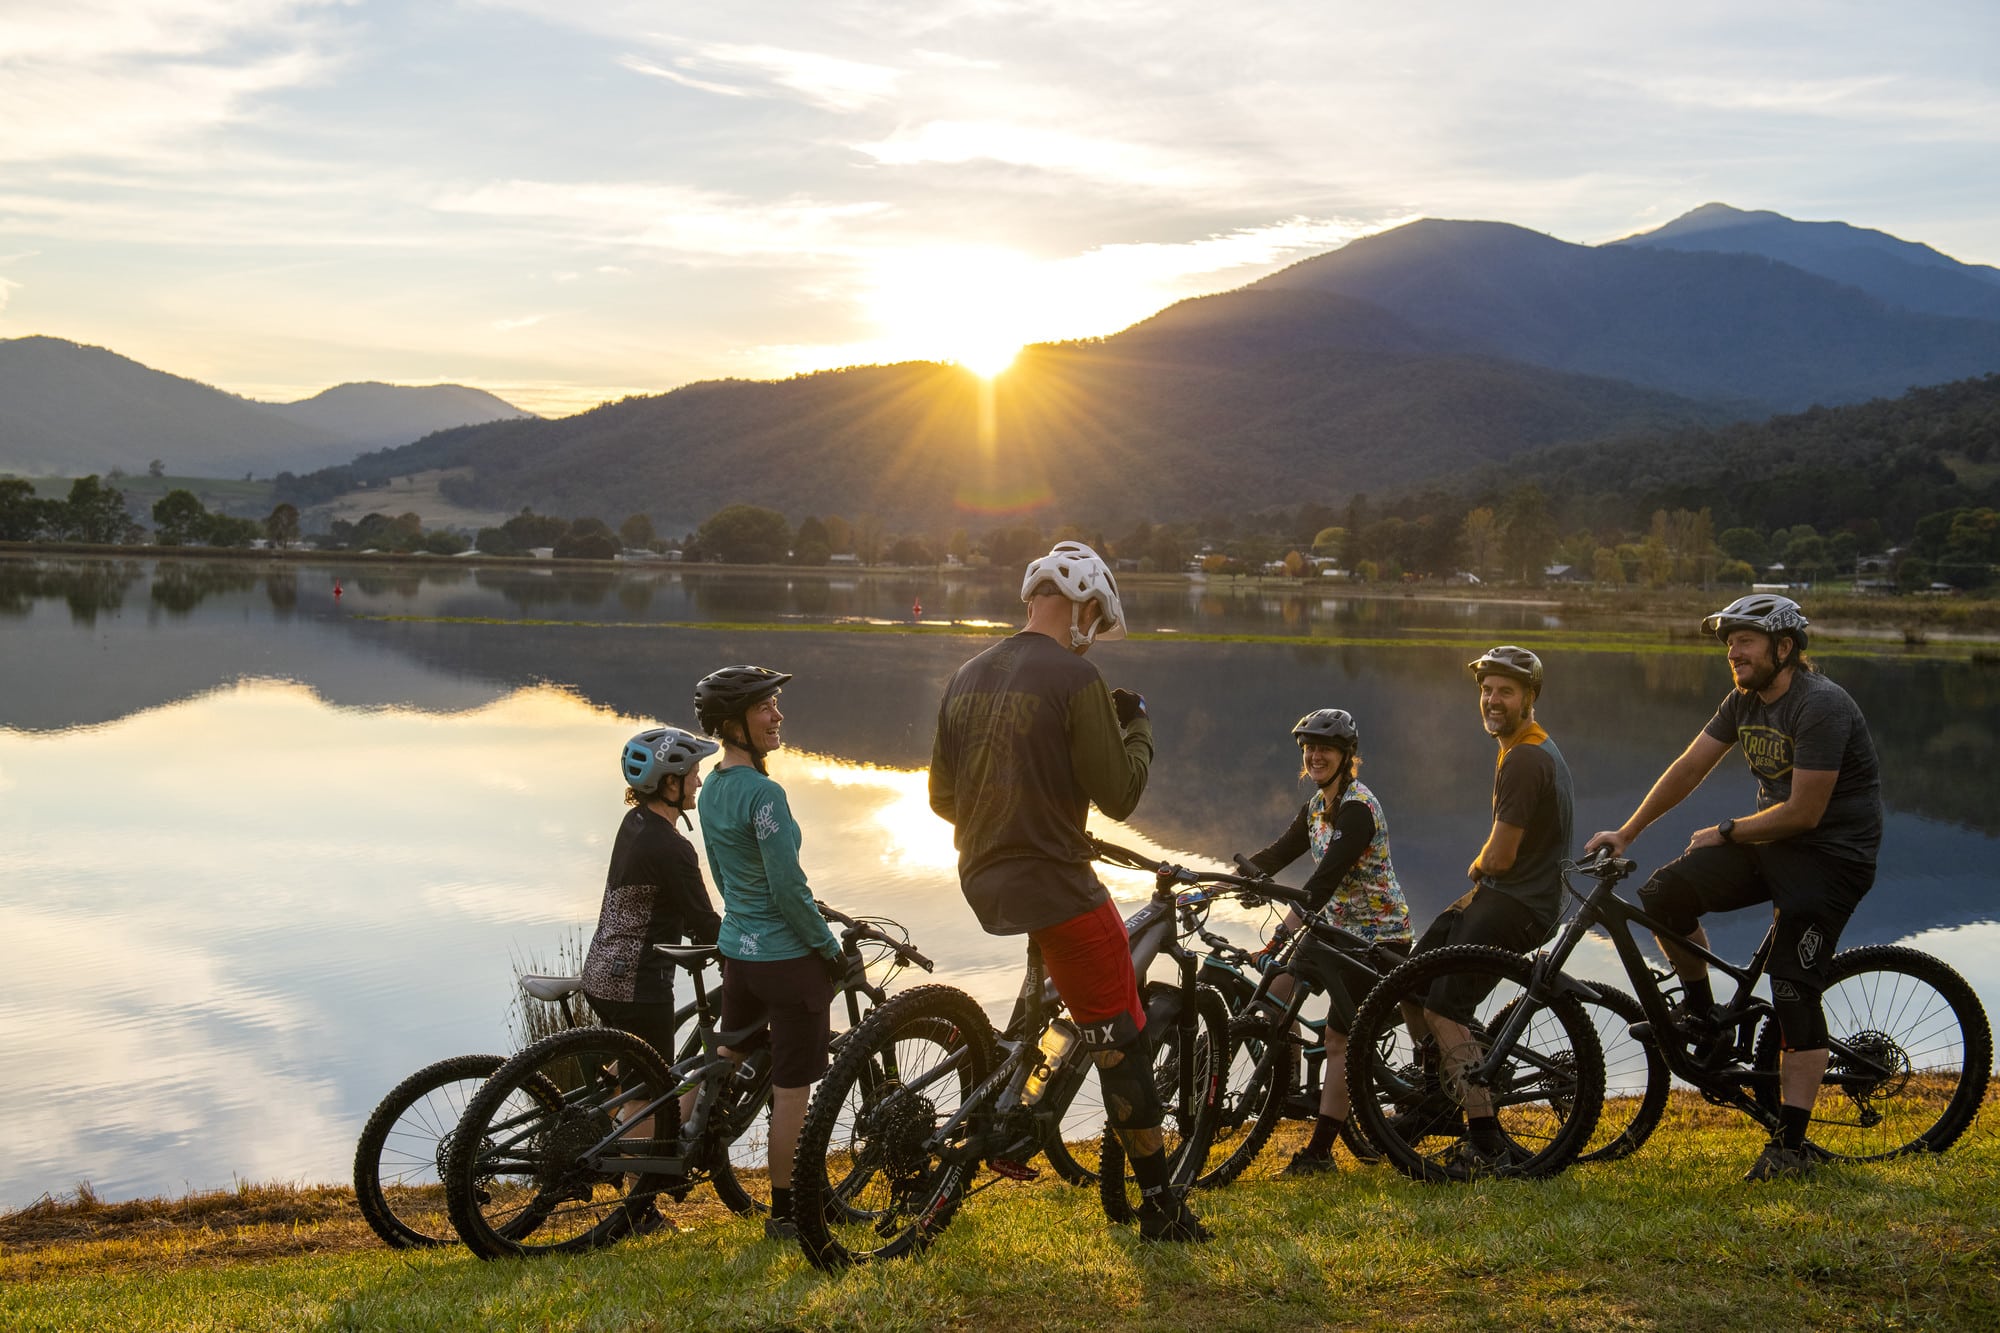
(795, 996)
(1483, 916)
(650, 1021)
(1812, 895)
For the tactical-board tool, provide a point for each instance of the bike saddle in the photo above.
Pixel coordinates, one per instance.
(550, 989)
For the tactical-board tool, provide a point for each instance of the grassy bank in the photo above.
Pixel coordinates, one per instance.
(1670, 1239)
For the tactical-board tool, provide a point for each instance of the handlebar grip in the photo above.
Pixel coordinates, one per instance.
(1250, 868)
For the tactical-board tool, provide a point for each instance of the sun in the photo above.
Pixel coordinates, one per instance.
(987, 360)
(976, 307)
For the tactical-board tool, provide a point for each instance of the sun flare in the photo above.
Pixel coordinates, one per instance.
(974, 307)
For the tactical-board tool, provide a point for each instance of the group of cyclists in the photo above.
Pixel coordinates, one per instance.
(1029, 737)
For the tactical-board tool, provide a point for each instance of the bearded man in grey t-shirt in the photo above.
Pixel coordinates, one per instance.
(1809, 850)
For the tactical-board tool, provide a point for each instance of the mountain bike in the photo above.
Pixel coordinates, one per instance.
(1272, 1078)
(575, 1142)
(902, 1125)
(1910, 1051)
(399, 1158)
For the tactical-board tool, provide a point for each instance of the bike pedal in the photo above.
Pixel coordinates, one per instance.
(1013, 1170)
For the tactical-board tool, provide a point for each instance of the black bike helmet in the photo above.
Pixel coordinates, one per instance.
(1765, 612)
(1508, 660)
(1329, 726)
(732, 692)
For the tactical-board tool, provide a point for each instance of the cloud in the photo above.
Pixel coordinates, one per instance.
(121, 79)
(694, 223)
(959, 141)
(828, 82)
(523, 322)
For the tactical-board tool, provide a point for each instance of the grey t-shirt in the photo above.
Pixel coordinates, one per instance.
(1816, 726)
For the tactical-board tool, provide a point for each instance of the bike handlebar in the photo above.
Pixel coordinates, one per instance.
(1601, 864)
(1259, 886)
(854, 930)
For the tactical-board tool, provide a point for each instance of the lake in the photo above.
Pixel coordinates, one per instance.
(265, 849)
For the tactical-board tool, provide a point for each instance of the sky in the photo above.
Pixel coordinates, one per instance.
(566, 202)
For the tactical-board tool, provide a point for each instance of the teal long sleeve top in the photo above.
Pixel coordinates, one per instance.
(753, 842)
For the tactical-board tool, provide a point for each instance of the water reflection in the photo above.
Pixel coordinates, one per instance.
(296, 841)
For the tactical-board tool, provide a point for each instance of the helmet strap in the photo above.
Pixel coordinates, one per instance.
(1080, 638)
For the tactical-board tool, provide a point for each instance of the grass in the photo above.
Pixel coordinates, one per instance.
(1669, 1239)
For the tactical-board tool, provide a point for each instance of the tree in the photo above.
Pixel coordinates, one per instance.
(96, 513)
(587, 539)
(1482, 540)
(911, 551)
(636, 531)
(23, 516)
(156, 468)
(868, 538)
(1327, 542)
(1606, 569)
(443, 542)
(810, 545)
(281, 526)
(178, 517)
(1528, 534)
(839, 534)
(230, 531)
(1745, 544)
(747, 535)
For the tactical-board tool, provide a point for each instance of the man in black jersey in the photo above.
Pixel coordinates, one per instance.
(1809, 850)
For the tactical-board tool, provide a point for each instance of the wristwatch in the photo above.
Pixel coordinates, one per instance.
(1726, 830)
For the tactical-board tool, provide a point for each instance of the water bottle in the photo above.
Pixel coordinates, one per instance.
(1058, 1039)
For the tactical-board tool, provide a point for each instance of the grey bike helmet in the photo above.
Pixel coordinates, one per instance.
(1329, 726)
(1508, 660)
(1765, 612)
(653, 755)
(731, 692)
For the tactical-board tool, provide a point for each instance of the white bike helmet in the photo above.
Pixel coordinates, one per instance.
(1080, 574)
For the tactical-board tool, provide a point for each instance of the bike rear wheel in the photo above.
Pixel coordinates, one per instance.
(517, 1181)
(872, 1128)
(399, 1158)
(1636, 1078)
(1409, 1100)
(1911, 1056)
(1188, 1120)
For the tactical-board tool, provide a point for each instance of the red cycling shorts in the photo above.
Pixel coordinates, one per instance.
(1090, 961)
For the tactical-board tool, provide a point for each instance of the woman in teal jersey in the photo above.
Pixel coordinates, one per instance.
(782, 963)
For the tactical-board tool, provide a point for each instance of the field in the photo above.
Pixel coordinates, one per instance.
(1670, 1239)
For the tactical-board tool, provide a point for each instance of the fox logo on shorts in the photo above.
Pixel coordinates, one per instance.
(1099, 1034)
(1809, 946)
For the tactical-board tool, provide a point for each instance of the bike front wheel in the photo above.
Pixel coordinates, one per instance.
(1411, 1095)
(1262, 1071)
(399, 1158)
(521, 1179)
(1189, 1104)
(1910, 1056)
(874, 1176)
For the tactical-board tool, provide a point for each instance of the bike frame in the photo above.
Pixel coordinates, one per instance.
(1722, 1076)
(709, 1070)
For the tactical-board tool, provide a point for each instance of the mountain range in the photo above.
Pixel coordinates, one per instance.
(67, 409)
(1431, 351)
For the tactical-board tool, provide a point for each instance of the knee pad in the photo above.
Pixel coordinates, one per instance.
(1131, 1098)
(1801, 1019)
(1671, 901)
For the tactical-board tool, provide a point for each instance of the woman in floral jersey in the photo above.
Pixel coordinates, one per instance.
(1352, 886)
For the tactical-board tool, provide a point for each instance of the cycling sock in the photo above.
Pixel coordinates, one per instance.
(1325, 1130)
(1792, 1122)
(1484, 1131)
(1150, 1172)
(1697, 995)
(781, 1202)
